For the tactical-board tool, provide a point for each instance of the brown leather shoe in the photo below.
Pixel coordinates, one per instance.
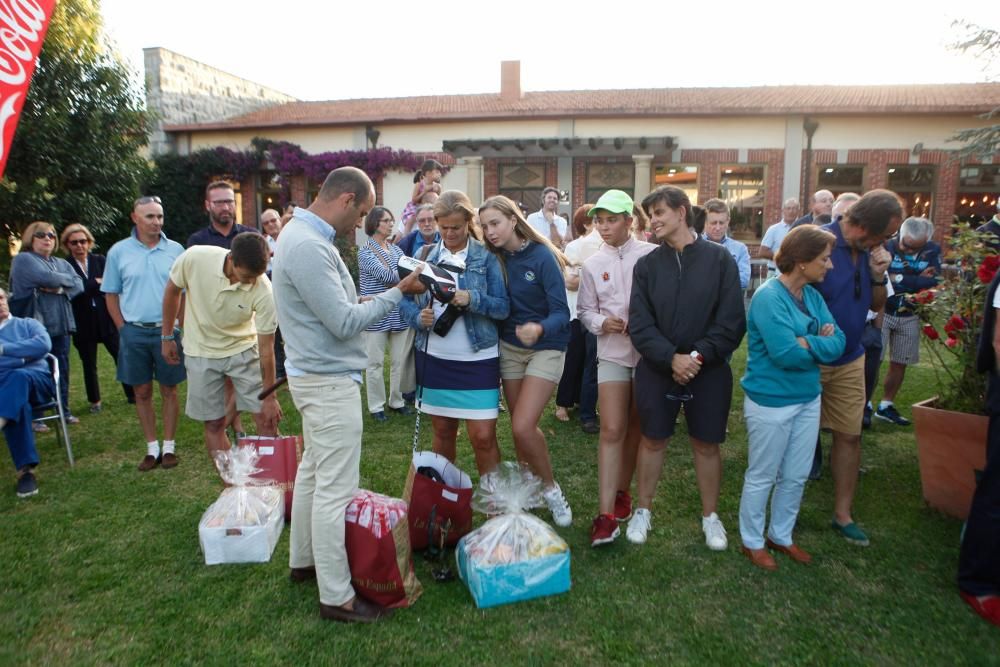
(792, 551)
(169, 460)
(364, 612)
(300, 574)
(147, 463)
(761, 558)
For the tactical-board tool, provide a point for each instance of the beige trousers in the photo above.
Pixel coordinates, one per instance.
(327, 478)
(401, 376)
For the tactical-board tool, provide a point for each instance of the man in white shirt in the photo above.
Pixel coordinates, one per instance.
(546, 222)
(775, 234)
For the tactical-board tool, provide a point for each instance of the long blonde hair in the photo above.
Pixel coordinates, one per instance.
(506, 207)
(455, 201)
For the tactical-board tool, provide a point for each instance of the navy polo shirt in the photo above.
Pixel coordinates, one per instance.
(209, 236)
(847, 290)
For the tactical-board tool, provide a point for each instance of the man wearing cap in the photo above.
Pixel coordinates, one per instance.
(546, 222)
(229, 333)
(775, 234)
(602, 305)
(717, 231)
(134, 277)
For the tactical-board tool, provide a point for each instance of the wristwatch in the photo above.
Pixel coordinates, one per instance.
(166, 338)
(881, 283)
(696, 355)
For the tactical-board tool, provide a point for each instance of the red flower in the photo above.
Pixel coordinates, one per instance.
(956, 322)
(951, 342)
(923, 296)
(988, 268)
(931, 332)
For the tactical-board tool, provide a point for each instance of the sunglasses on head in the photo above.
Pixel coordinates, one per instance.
(151, 199)
(44, 235)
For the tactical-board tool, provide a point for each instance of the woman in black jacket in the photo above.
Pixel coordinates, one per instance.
(686, 317)
(93, 324)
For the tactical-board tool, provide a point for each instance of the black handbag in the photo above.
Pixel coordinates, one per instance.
(23, 306)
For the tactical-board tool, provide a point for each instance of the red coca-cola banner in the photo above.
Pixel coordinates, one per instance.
(22, 30)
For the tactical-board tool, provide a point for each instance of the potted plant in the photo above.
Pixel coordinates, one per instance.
(950, 427)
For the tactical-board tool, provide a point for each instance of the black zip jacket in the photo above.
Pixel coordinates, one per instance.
(686, 301)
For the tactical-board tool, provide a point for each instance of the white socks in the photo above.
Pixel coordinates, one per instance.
(884, 404)
(153, 448)
(168, 446)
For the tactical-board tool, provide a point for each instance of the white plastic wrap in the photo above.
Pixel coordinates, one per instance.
(244, 524)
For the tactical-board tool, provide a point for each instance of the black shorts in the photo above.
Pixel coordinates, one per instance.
(706, 412)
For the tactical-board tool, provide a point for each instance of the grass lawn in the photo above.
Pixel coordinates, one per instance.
(104, 566)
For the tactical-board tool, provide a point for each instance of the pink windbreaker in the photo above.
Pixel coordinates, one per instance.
(605, 288)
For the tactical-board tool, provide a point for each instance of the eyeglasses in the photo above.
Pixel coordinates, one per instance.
(78, 242)
(151, 199)
(44, 235)
(223, 202)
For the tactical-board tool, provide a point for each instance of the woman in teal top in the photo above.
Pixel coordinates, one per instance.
(790, 331)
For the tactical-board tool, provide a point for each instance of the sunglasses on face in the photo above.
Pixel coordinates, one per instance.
(44, 235)
(78, 242)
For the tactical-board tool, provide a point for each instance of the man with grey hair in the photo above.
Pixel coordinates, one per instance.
(322, 320)
(915, 265)
(821, 203)
(844, 202)
(775, 234)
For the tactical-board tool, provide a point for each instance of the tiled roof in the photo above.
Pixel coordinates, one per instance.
(928, 99)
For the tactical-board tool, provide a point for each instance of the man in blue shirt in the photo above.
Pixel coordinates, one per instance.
(220, 202)
(856, 283)
(24, 380)
(916, 263)
(425, 234)
(717, 230)
(134, 278)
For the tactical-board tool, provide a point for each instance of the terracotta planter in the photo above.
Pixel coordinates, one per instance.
(951, 446)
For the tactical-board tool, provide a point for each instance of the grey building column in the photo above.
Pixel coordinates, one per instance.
(473, 177)
(643, 175)
(794, 135)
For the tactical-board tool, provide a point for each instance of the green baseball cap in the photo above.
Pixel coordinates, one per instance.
(613, 201)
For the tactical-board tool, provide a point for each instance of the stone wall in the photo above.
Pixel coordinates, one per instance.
(182, 90)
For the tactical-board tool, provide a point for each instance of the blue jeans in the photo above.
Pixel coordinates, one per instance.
(588, 385)
(780, 454)
(20, 388)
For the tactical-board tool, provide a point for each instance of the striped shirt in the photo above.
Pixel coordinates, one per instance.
(377, 269)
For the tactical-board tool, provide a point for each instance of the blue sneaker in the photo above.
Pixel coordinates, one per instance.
(852, 533)
(380, 417)
(891, 415)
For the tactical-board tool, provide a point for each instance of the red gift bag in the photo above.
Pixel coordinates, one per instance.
(434, 501)
(378, 550)
(279, 461)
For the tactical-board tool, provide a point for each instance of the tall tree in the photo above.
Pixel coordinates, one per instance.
(76, 155)
(984, 43)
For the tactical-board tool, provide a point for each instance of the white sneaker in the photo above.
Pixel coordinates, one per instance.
(639, 526)
(715, 533)
(562, 515)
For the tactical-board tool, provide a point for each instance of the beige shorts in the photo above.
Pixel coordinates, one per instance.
(206, 398)
(516, 362)
(843, 396)
(609, 371)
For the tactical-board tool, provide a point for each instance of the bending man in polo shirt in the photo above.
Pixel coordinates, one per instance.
(134, 276)
(856, 283)
(229, 328)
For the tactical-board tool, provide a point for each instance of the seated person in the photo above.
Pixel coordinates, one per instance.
(25, 380)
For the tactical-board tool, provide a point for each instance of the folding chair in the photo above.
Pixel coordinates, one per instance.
(57, 406)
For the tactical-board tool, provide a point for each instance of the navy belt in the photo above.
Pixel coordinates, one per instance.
(147, 325)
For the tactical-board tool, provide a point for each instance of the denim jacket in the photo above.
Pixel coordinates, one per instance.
(488, 300)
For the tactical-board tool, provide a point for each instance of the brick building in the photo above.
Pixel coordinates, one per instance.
(753, 147)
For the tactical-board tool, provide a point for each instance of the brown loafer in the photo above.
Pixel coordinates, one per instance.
(761, 558)
(147, 463)
(169, 460)
(792, 551)
(364, 612)
(300, 574)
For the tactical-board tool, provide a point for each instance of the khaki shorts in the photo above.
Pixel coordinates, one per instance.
(609, 371)
(516, 362)
(843, 396)
(206, 398)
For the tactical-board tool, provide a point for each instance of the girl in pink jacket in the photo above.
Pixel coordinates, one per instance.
(602, 306)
